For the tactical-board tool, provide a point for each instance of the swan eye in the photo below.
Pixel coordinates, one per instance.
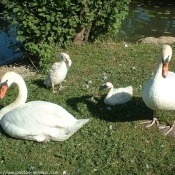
(166, 60)
(4, 84)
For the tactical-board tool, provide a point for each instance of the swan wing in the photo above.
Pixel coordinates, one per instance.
(36, 116)
(120, 96)
(56, 74)
(52, 73)
(127, 89)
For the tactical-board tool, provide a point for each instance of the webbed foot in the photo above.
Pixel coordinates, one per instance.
(168, 130)
(153, 123)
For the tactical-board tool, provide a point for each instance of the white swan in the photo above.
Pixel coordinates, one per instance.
(36, 120)
(117, 96)
(58, 71)
(159, 92)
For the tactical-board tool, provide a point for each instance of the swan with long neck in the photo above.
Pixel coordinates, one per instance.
(159, 92)
(36, 120)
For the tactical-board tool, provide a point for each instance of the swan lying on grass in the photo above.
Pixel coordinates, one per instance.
(58, 72)
(40, 121)
(117, 96)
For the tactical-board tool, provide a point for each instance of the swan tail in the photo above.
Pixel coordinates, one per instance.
(60, 134)
(130, 90)
(80, 122)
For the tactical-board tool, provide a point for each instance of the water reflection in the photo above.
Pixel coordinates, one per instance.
(148, 18)
(7, 32)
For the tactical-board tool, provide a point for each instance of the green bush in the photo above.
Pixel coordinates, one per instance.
(42, 24)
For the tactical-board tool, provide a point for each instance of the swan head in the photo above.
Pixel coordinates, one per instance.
(65, 57)
(6, 81)
(165, 56)
(107, 85)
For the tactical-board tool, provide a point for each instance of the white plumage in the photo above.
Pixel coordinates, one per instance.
(159, 91)
(40, 121)
(58, 71)
(117, 96)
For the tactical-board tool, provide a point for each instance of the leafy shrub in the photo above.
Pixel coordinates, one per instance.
(43, 24)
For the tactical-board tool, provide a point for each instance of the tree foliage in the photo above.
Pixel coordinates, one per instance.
(41, 24)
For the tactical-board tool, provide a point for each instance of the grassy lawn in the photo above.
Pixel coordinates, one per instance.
(113, 142)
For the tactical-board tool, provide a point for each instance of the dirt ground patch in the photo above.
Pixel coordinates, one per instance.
(24, 71)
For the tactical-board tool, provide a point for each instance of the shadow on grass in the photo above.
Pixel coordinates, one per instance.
(131, 111)
(171, 172)
(40, 83)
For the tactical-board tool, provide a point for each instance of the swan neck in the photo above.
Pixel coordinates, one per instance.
(110, 93)
(158, 71)
(21, 98)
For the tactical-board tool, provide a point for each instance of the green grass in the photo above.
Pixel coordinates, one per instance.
(113, 142)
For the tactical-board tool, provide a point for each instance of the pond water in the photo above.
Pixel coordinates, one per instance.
(146, 18)
(7, 53)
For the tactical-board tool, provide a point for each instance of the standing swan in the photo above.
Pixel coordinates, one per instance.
(36, 120)
(58, 71)
(159, 92)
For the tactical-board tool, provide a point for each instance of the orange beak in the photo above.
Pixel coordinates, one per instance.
(3, 91)
(165, 70)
